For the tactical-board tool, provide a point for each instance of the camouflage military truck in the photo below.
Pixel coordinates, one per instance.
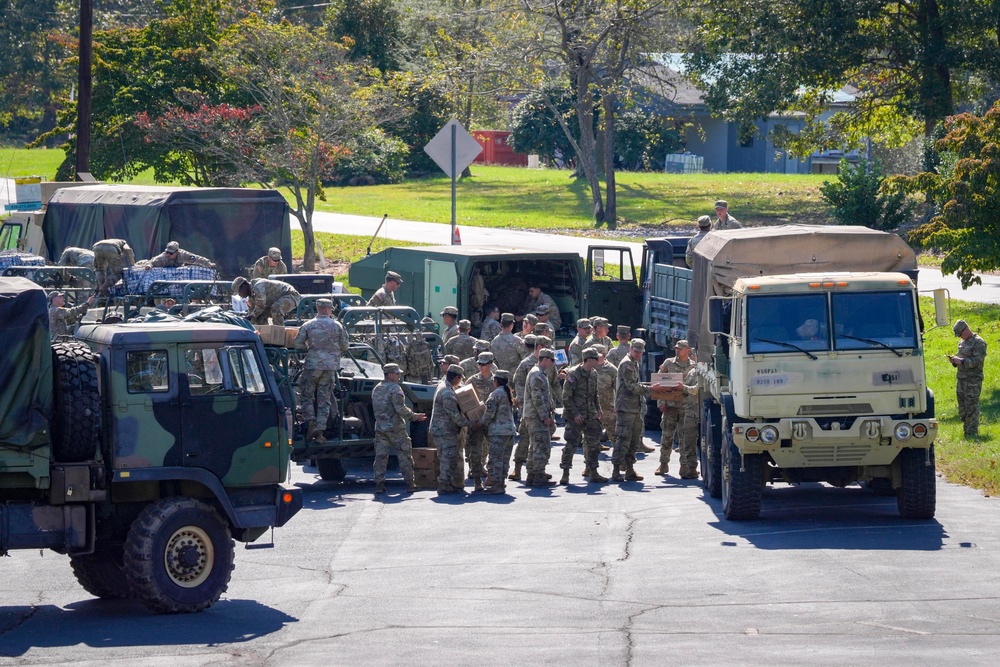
(140, 451)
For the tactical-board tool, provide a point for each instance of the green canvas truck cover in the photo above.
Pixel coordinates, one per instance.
(26, 366)
(233, 227)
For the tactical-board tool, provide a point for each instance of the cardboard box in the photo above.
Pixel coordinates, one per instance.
(476, 413)
(425, 478)
(668, 394)
(290, 334)
(666, 378)
(425, 458)
(271, 334)
(467, 398)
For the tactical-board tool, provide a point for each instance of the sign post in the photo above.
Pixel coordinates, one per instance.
(453, 149)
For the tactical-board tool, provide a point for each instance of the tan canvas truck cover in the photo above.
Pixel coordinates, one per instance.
(723, 257)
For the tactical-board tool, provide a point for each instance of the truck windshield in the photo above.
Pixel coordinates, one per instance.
(871, 320)
(787, 322)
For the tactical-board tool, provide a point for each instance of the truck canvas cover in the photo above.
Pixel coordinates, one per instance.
(723, 257)
(26, 365)
(231, 226)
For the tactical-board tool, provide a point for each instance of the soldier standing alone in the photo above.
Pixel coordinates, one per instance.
(969, 383)
(391, 416)
(325, 340)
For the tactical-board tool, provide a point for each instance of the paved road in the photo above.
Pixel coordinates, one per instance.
(429, 232)
(638, 574)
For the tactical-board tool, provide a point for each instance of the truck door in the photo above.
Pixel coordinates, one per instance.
(440, 287)
(229, 417)
(145, 425)
(612, 290)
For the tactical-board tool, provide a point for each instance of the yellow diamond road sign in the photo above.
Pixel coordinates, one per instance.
(440, 148)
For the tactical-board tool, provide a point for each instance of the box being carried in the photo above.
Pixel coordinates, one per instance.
(467, 398)
(290, 334)
(271, 334)
(667, 379)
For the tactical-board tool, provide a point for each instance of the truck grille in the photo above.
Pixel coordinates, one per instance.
(834, 455)
(836, 409)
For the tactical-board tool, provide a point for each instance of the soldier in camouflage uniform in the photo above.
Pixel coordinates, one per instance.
(539, 413)
(522, 453)
(491, 327)
(527, 325)
(600, 334)
(111, 256)
(607, 375)
(537, 297)
(324, 340)
(629, 395)
(508, 350)
(969, 361)
(391, 417)
(616, 354)
(450, 318)
(462, 345)
(386, 294)
(447, 421)
(63, 320)
(582, 412)
(471, 364)
(673, 415)
(498, 420)
(575, 349)
(475, 445)
(267, 297)
(269, 265)
(174, 255)
(79, 257)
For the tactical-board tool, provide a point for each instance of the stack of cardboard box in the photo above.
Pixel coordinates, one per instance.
(425, 467)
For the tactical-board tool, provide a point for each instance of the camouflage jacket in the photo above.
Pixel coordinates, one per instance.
(262, 269)
(462, 346)
(580, 394)
(615, 356)
(382, 298)
(499, 416)
(389, 406)
(575, 350)
(471, 367)
(593, 340)
(180, 259)
(446, 418)
(63, 320)
(264, 292)
(973, 354)
(326, 340)
(555, 319)
(490, 329)
(508, 351)
(629, 392)
(675, 365)
(109, 249)
(484, 386)
(449, 333)
(537, 396)
(521, 376)
(76, 257)
(692, 244)
(607, 374)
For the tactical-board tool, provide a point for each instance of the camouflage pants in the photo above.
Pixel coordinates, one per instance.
(523, 451)
(476, 452)
(967, 391)
(590, 431)
(397, 440)
(669, 421)
(628, 437)
(688, 449)
(458, 465)
(541, 445)
(610, 421)
(108, 269)
(316, 396)
(501, 447)
(282, 306)
(448, 455)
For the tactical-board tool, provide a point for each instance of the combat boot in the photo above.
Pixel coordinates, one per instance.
(564, 480)
(516, 475)
(541, 479)
(379, 487)
(643, 447)
(596, 477)
(312, 431)
(496, 490)
(664, 468)
(479, 484)
(616, 474)
(631, 475)
(411, 486)
(446, 489)
(690, 473)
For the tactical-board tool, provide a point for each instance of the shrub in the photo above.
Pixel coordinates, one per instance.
(374, 158)
(858, 198)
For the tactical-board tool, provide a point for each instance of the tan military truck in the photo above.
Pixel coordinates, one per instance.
(810, 351)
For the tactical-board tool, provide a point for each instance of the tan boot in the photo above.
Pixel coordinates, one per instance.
(516, 475)
(564, 480)
(596, 477)
(312, 430)
(616, 474)
(664, 469)
(631, 475)
(646, 448)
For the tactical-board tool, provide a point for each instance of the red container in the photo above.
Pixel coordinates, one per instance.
(496, 150)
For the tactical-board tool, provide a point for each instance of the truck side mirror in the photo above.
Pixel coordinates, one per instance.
(941, 300)
(715, 319)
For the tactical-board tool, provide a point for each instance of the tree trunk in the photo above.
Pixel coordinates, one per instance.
(611, 198)
(935, 89)
(588, 144)
(84, 99)
(309, 236)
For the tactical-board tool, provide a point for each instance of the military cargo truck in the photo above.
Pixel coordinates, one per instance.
(140, 451)
(811, 356)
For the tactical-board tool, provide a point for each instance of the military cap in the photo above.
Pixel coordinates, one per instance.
(704, 222)
(624, 329)
(600, 321)
(481, 345)
(532, 318)
(324, 302)
(590, 353)
(508, 317)
(546, 353)
(451, 359)
(501, 374)
(484, 358)
(237, 282)
(450, 310)
(959, 327)
(543, 341)
(542, 328)
(464, 325)
(456, 369)
(391, 368)
(722, 203)
(530, 340)
(601, 349)
(392, 275)
(583, 323)
(542, 309)
(637, 344)
(173, 246)
(53, 295)
(683, 344)
(274, 253)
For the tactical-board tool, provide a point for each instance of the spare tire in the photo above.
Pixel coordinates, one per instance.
(76, 420)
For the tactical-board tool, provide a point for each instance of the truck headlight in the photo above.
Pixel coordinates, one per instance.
(769, 435)
(903, 431)
(919, 430)
(752, 435)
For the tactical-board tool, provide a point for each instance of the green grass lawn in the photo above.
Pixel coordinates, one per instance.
(16, 162)
(341, 248)
(962, 461)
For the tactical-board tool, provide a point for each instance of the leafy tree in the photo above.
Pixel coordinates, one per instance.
(427, 105)
(373, 27)
(858, 198)
(534, 128)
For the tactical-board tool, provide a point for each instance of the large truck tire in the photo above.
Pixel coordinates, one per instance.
(710, 450)
(331, 470)
(742, 485)
(102, 574)
(179, 556)
(76, 422)
(917, 495)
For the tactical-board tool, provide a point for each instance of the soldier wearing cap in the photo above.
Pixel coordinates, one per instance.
(491, 327)
(629, 396)
(508, 349)
(583, 414)
(447, 422)
(674, 415)
(449, 315)
(616, 354)
(174, 255)
(539, 413)
(269, 265)
(62, 320)
(391, 417)
(527, 325)
(722, 218)
(704, 227)
(266, 297)
(607, 375)
(475, 447)
(498, 422)
(600, 333)
(575, 349)
(386, 294)
(471, 363)
(111, 256)
(325, 340)
(537, 297)
(969, 361)
(78, 257)
(463, 344)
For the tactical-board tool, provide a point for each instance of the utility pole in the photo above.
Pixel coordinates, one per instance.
(84, 86)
